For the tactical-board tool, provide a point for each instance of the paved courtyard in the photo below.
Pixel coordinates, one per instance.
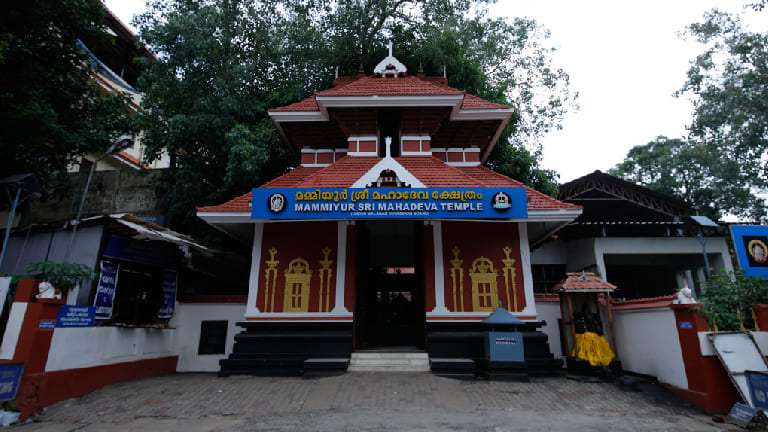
(370, 402)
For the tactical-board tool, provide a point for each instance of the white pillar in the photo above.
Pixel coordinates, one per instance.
(525, 264)
(253, 280)
(341, 261)
(437, 241)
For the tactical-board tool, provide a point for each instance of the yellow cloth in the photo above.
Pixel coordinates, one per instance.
(593, 348)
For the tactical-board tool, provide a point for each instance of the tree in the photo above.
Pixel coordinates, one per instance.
(730, 83)
(722, 167)
(51, 112)
(224, 63)
(679, 168)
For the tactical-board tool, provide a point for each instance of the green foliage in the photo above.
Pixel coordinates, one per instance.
(730, 295)
(63, 276)
(678, 168)
(730, 123)
(224, 63)
(51, 112)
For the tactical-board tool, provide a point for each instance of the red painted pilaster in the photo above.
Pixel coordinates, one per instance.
(709, 386)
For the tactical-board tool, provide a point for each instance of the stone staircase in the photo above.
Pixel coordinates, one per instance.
(383, 361)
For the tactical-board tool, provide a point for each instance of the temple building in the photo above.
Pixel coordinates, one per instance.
(391, 234)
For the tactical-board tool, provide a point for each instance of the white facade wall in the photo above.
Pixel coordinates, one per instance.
(188, 319)
(717, 249)
(648, 344)
(74, 348)
(550, 312)
(580, 255)
(550, 253)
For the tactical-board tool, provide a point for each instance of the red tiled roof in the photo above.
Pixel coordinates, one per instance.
(536, 199)
(293, 177)
(583, 282)
(431, 171)
(308, 104)
(471, 102)
(242, 203)
(390, 86)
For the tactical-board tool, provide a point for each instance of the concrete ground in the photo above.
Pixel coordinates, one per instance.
(367, 401)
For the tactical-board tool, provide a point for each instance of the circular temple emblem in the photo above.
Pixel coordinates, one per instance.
(276, 203)
(501, 202)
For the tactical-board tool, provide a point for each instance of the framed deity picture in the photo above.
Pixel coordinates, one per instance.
(751, 244)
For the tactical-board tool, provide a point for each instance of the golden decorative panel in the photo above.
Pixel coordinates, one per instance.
(296, 292)
(325, 274)
(485, 294)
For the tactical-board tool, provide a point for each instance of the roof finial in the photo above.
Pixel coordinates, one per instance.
(389, 45)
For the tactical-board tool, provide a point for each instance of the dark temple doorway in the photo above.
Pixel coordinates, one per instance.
(389, 305)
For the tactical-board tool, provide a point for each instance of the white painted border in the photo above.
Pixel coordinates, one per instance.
(341, 265)
(253, 278)
(437, 242)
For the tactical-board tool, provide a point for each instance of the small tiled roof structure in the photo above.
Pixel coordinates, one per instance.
(583, 282)
(431, 171)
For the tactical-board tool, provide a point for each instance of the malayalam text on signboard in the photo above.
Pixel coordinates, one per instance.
(389, 203)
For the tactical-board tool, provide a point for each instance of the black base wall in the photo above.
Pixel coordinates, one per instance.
(280, 348)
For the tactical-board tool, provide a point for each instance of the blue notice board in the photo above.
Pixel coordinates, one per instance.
(504, 346)
(76, 316)
(10, 377)
(757, 382)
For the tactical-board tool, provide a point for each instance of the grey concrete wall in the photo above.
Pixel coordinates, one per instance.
(126, 191)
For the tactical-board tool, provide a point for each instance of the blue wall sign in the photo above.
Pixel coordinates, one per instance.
(10, 377)
(168, 296)
(389, 203)
(105, 291)
(75, 316)
(751, 244)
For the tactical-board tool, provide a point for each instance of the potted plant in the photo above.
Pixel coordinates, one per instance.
(62, 276)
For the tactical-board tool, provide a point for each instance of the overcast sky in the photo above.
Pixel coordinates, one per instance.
(624, 58)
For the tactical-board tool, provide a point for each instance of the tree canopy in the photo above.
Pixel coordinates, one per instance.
(722, 166)
(51, 111)
(224, 63)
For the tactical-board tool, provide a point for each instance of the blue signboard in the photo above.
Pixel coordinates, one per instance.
(741, 414)
(168, 296)
(389, 203)
(10, 377)
(751, 244)
(105, 291)
(75, 316)
(504, 346)
(757, 382)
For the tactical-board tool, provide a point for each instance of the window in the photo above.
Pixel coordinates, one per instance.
(213, 337)
(546, 276)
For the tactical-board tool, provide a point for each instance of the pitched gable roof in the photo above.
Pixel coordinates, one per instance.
(429, 170)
